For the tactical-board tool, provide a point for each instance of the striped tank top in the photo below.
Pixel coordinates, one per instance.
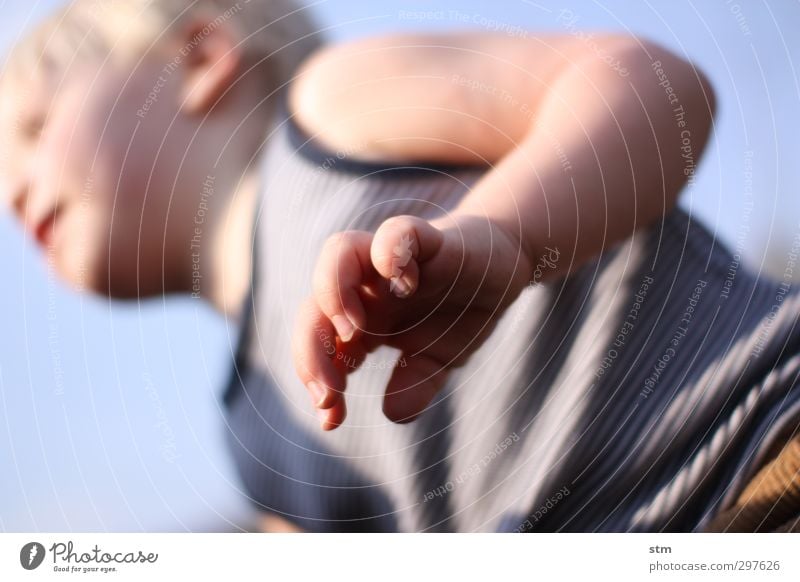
(637, 394)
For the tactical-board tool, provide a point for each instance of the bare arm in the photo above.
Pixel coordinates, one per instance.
(587, 140)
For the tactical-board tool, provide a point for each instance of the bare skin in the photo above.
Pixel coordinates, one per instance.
(113, 184)
(581, 156)
(524, 107)
(578, 157)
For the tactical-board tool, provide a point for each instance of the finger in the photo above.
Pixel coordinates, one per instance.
(449, 337)
(411, 388)
(332, 417)
(314, 353)
(350, 356)
(399, 245)
(342, 268)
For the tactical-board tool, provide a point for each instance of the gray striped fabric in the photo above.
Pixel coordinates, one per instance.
(638, 394)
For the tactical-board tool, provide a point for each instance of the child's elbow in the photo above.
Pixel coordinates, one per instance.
(669, 83)
(679, 77)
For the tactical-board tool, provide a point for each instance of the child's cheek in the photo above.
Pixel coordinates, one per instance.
(68, 149)
(74, 173)
(82, 259)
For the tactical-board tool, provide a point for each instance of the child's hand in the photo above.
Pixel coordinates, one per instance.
(434, 290)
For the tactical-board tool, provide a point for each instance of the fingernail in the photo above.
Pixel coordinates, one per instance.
(401, 286)
(318, 393)
(344, 328)
(324, 423)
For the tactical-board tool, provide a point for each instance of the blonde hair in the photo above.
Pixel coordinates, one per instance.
(281, 31)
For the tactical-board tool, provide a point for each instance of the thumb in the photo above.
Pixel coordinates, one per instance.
(400, 244)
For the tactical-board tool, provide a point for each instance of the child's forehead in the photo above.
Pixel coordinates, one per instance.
(33, 94)
(51, 57)
(18, 99)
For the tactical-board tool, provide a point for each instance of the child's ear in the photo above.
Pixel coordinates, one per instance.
(211, 60)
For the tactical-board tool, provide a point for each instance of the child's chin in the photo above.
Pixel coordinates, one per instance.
(116, 279)
(106, 287)
(91, 276)
(87, 282)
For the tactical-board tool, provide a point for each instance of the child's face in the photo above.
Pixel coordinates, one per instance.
(91, 174)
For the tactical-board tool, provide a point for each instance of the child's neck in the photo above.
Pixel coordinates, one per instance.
(231, 251)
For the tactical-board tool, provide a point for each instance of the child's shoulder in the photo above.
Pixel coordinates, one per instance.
(436, 97)
(376, 96)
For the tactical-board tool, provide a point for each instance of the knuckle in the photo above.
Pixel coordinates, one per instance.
(396, 239)
(327, 294)
(300, 362)
(305, 313)
(338, 242)
(399, 224)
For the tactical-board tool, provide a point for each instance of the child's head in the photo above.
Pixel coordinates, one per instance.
(117, 115)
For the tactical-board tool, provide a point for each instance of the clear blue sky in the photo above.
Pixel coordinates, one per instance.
(93, 394)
